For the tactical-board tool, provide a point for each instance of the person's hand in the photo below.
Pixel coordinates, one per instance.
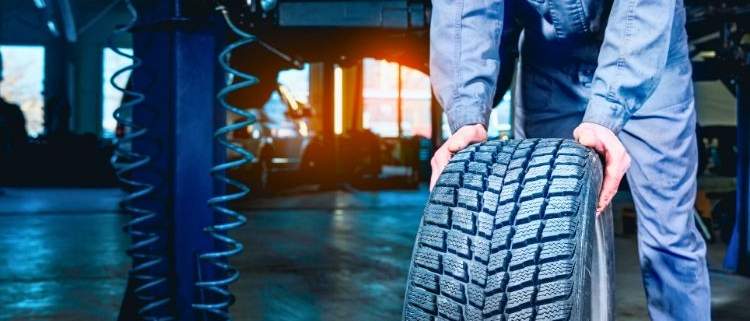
(616, 158)
(459, 140)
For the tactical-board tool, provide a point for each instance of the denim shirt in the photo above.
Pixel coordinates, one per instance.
(638, 38)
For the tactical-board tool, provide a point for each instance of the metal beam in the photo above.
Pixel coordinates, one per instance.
(68, 21)
(373, 14)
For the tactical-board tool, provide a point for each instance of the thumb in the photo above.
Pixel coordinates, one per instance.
(457, 144)
(588, 138)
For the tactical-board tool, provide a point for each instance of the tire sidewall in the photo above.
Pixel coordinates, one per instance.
(593, 295)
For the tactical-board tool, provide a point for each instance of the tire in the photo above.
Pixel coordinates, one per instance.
(510, 233)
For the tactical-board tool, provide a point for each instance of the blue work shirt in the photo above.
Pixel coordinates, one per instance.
(633, 46)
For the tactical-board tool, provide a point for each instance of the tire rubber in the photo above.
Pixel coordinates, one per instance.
(510, 233)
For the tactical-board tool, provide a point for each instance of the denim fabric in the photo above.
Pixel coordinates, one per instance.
(660, 137)
(641, 38)
(632, 76)
(465, 58)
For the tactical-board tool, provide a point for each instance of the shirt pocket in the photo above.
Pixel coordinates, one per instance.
(572, 18)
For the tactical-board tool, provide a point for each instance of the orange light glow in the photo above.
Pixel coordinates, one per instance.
(381, 93)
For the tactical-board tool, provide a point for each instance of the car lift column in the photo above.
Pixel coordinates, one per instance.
(330, 176)
(178, 54)
(743, 171)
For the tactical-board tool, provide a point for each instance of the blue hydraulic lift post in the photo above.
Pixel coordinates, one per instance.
(196, 153)
(179, 77)
(743, 171)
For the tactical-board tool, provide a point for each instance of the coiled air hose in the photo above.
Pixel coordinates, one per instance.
(152, 304)
(215, 295)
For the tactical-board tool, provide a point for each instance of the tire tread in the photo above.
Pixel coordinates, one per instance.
(497, 241)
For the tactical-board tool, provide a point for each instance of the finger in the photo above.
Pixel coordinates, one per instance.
(439, 161)
(587, 138)
(433, 178)
(465, 136)
(613, 173)
(455, 145)
(609, 188)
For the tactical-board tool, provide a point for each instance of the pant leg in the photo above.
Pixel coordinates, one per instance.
(660, 138)
(550, 99)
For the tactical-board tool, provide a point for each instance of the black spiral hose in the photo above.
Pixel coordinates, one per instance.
(215, 294)
(146, 259)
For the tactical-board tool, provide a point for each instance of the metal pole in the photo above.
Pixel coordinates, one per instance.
(179, 79)
(399, 106)
(330, 179)
(195, 153)
(743, 172)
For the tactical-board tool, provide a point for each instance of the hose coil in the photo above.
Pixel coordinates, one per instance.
(216, 297)
(143, 249)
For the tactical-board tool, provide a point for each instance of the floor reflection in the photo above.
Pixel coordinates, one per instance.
(336, 256)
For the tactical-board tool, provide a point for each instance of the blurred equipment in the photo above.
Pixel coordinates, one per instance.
(283, 140)
(60, 19)
(720, 33)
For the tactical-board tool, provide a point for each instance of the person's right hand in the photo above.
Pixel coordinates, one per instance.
(616, 158)
(459, 140)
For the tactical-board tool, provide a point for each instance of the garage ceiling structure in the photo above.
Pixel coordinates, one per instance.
(343, 31)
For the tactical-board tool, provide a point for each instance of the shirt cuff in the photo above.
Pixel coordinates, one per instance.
(469, 114)
(606, 113)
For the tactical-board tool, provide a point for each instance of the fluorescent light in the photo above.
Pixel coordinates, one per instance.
(41, 4)
(338, 100)
(52, 28)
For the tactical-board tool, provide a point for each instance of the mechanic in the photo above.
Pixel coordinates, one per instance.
(615, 76)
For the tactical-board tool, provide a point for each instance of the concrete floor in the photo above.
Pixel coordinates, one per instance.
(312, 256)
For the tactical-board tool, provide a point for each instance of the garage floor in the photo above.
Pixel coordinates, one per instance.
(314, 256)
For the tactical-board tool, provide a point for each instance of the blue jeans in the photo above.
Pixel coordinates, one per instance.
(553, 94)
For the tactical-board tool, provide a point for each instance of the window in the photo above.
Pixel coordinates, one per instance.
(297, 81)
(111, 97)
(23, 83)
(500, 118)
(416, 98)
(381, 98)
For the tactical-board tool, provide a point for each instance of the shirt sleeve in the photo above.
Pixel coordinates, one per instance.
(631, 60)
(464, 58)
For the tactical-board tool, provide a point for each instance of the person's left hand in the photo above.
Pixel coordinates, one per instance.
(616, 158)
(459, 140)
